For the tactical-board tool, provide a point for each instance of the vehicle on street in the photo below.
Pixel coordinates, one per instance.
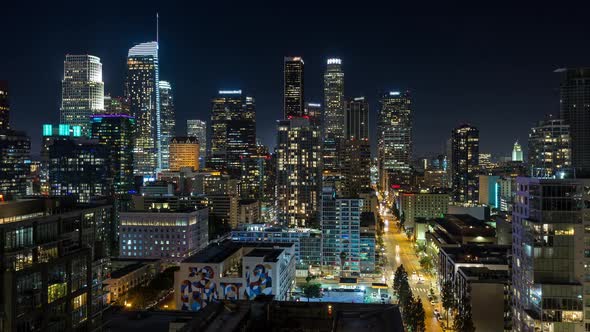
(329, 277)
(433, 302)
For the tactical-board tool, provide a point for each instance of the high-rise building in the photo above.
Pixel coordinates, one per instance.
(15, 149)
(233, 131)
(184, 152)
(54, 259)
(517, 152)
(394, 135)
(116, 105)
(4, 106)
(82, 91)
(51, 134)
(168, 122)
(198, 129)
(115, 132)
(333, 122)
(575, 110)
(298, 172)
(465, 146)
(293, 88)
(79, 167)
(142, 90)
(550, 266)
(340, 225)
(314, 112)
(356, 119)
(549, 148)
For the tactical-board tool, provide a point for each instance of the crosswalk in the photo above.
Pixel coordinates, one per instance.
(419, 289)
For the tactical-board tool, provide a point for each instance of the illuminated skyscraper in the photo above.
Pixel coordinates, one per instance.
(115, 132)
(4, 106)
(356, 119)
(198, 129)
(333, 122)
(314, 112)
(355, 151)
(517, 152)
(233, 131)
(549, 149)
(15, 149)
(168, 122)
(575, 110)
(465, 149)
(394, 134)
(82, 91)
(142, 89)
(184, 152)
(293, 102)
(298, 172)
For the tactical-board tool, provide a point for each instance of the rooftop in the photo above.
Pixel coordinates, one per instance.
(484, 274)
(269, 255)
(219, 252)
(479, 254)
(126, 270)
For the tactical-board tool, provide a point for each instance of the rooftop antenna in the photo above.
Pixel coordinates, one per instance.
(157, 27)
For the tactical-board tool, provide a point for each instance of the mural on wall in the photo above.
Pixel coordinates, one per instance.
(231, 290)
(258, 281)
(198, 293)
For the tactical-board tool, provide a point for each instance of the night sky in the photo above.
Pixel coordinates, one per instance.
(490, 66)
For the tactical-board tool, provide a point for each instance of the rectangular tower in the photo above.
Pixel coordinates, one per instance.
(293, 87)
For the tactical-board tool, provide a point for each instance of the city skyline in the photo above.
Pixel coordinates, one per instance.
(469, 80)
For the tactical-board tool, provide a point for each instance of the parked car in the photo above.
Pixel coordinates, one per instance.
(329, 277)
(433, 302)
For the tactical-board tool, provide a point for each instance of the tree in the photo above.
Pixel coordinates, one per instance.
(343, 256)
(426, 263)
(312, 291)
(414, 315)
(398, 277)
(447, 298)
(463, 321)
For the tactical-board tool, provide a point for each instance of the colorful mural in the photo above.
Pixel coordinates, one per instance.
(231, 291)
(258, 282)
(197, 294)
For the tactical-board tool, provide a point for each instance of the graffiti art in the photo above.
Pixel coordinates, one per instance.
(231, 291)
(258, 282)
(199, 290)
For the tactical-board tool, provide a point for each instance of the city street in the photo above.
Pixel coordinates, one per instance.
(399, 250)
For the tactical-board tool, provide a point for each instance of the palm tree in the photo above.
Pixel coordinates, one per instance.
(343, 256)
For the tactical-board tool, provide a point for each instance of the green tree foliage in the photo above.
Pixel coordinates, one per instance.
(463, 320)
(312, 290)
(400, 276)
(447, 297)
(426, 263)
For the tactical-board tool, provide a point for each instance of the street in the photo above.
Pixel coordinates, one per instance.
(399, 250)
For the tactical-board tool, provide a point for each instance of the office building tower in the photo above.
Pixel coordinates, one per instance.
(333, 121)
(340, 225)
(293, 88)
(116, 105)
(550, 266)
(4, 106)
(550, 149)
(54, 260)
(184, 152)
(517, 152)
(258, 174)
(82, 91)
(142, 90)
(198, 129)
(15, 150)
(168, 122)
(233, 131)
(356, 119)
(298, 172)
(394, 135)
(79, 167)
(52, 133)
(314, 112)
(465, 146)
(115, 132)
(575, 110)
(356, 166)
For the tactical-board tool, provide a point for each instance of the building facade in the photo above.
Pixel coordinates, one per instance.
(394, 135)
(4, 106)
(416, 205)
(517, 152)
(82, 91)
(184, 152)
(167, 121)
(15, 150)
(465, 163)
(142, 90)
(298, 172)
(198, 129)
(293, 87)
(550, 149)
(333, 122)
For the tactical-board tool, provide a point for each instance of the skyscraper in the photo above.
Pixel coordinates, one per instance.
(184, 152)
(333, 122)
(356, 119)
(517, 152)
(115, 132)
(168, 122)
(298, 172)
(82, 91)
(355, 152)
(394, 135)
(116, 105)
(142, 89)
(4, 106)
(549, 152)
(198, 129)
(15, 149)
(465, 151)
(575, 110)
(293, 89)
(233, 131)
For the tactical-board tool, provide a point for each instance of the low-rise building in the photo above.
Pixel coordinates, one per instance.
(231, 270)
(419, 205)
(249, 211)
(125, 279)
(163, 234)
